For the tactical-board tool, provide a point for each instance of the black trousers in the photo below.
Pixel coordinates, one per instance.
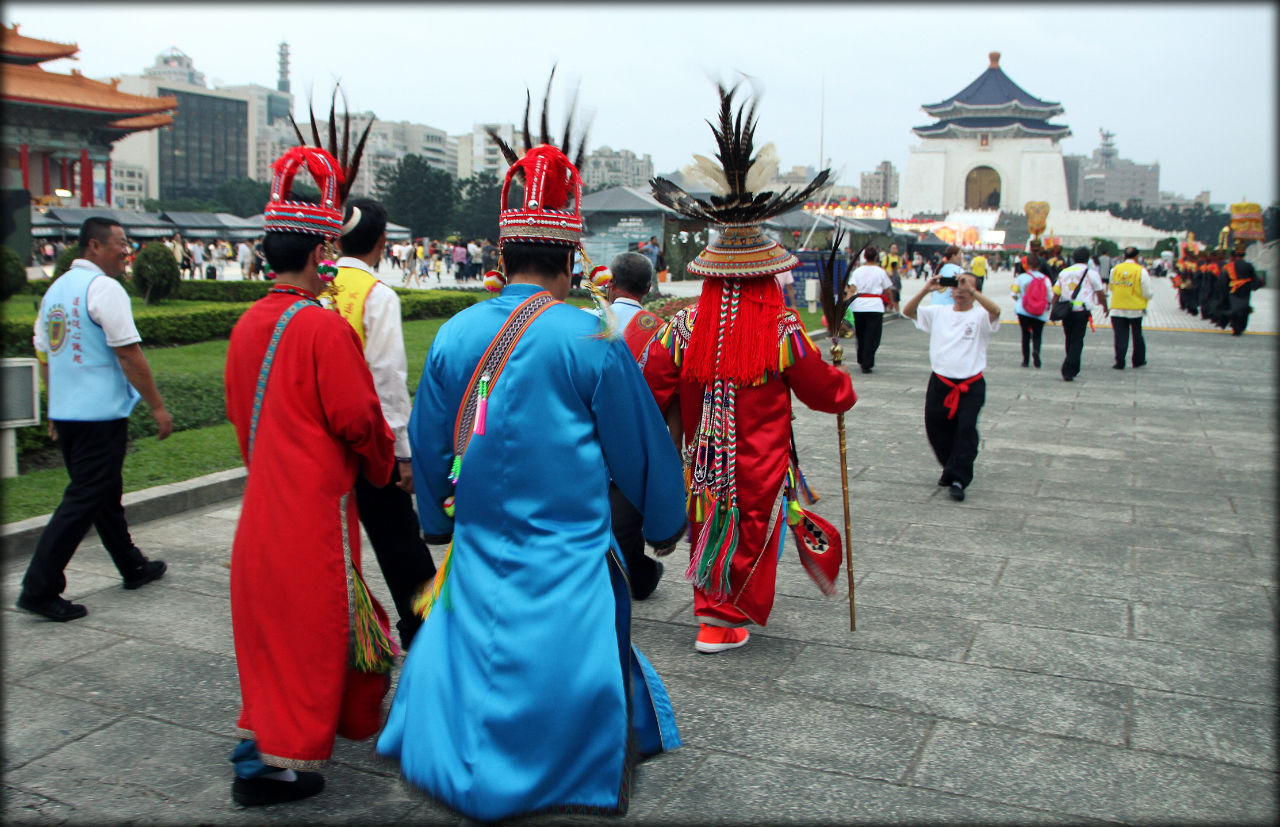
(94, 456)
(392, 525)
(1073, 328)
(1032, 331)
(867, 329)
(954, 441)
(1122, 327)
(1190, 300)
(627, 528)
(1238, 312)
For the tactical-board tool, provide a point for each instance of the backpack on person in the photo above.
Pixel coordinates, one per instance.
(1035, 300)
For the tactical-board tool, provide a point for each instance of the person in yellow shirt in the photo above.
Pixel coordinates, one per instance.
(978, 266)
(1130, 287)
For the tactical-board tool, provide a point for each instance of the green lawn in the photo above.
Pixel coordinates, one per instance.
(183, 455)
(25, 307)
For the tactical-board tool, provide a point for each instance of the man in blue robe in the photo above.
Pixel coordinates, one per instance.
(522, 692)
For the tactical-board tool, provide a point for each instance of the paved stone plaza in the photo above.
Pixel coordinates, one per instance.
(1090, 636)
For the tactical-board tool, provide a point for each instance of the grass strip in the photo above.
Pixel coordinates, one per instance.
(184, 455)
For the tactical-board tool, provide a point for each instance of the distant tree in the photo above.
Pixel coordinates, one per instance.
(13, 273)
(1170, 244)
(243, 196)
(155, 272)
(69, 254)
(418, 196)
(476, 213)
(183, 205)
(1105, 247)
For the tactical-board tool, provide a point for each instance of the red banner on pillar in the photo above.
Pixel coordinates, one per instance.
(24, 162)
(86, 179)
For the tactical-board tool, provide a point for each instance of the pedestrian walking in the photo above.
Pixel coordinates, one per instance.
(1130, 288)
(1081, 286)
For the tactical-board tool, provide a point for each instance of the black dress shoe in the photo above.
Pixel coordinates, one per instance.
(1025, 363)
(1138, 364)
(1036, 361)
(54, 608)
(150, 570)
(957, 492)
(866, 369)
(1118, 367)
(259, 792)
(643, 594)
(943, 481)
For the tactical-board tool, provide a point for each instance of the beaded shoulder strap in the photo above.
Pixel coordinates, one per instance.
(471, 413)
(265, 372)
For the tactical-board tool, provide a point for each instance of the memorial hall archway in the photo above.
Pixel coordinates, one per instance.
(982, 189)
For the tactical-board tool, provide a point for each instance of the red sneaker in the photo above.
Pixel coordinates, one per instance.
(713, 639)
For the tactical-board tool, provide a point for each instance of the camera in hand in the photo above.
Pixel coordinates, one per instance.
(947, 281)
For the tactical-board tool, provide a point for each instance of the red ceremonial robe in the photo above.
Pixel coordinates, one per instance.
(764, 442)
(298, 533)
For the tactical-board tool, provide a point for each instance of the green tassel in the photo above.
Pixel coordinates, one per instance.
(374, 651)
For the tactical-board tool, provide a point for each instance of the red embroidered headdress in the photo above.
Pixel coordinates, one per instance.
(284, 216)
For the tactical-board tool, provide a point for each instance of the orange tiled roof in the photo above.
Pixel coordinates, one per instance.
(141, 123)
(31, 84)
(18, 48)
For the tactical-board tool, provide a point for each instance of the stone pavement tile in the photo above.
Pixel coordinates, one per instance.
(758, 720)
(48, 722)
(984, 511)
(1153, 493)
(669, 647)
(773, 793)
(1231, 631)
(145, 770)
(1034, 507)
(1047, 576)
(1222, 731)
(964, 692)
(189, 618)
(1138, 663)
(187, 687)
(1253, 508)
(1235, 568)
(1078, 613)
(1024, 544)
(23, 807)
(931, 563)
(81, 584)
(33, 644)
(1213, 518)
(1091, 531)
(1091, 780)
(826, 621)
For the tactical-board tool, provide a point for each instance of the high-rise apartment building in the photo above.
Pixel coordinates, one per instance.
(605, 167)
(880, 186)
(1106, 178)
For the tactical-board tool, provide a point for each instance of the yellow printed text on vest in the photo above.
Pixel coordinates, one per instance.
(1126, 292)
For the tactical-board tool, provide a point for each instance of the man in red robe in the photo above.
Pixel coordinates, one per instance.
(307, 419)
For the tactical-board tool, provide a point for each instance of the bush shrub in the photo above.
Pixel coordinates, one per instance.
(158, 326)
(155, 272)
(13, 273)
(63, 263)
(221, 291)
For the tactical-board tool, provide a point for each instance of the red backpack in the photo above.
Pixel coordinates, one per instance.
(1035, 299)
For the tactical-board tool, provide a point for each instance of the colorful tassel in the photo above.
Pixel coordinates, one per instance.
(327, 270)
(435, 592)
(455, 469)
(494, 281)
(447, 507)
(482, 405)
(374, 649)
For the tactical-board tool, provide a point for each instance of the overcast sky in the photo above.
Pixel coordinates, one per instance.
(1191, 86)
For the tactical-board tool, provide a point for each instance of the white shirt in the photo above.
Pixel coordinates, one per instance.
(108, 306)
(244, 252)
(957, 339)
(384, 352)
(869, 278)
(1070, 277)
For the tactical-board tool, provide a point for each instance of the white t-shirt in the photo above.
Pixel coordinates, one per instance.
(108, 305)
(869, 278)
(957, 339)
(1070, 277)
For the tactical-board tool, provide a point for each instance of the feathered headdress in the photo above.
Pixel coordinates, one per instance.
(348, 159)
(283, 215)
(736, 202)
(550, 212)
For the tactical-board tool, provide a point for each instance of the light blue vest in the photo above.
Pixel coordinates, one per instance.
(86, 383)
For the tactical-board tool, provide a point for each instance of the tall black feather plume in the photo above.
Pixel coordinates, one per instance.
(834, 302)
(545, 138)
(347, 158)
(528, 139)
(510, 155)
(735, 137)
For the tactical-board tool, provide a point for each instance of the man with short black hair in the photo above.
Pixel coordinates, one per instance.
(1242, 280)
(958, 338)
(373, 311)
(1131, 288)
(1077, 320)
(95, 372)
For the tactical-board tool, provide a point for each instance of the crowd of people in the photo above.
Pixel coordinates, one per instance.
(544, 450)
(1217, 288)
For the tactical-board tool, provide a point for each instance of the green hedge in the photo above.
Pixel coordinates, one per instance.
(157, 326)
(221, 291)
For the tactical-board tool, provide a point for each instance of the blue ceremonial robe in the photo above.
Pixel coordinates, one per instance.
(522, 692)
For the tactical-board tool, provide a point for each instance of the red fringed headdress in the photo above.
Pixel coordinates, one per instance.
(284, 216)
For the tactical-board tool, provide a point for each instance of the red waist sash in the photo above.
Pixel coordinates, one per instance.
(952, 400)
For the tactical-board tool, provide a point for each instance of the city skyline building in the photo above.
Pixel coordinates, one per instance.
(605, 167)
(880, 186)
(1105, 178)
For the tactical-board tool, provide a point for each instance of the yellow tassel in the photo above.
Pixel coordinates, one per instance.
(431, 592)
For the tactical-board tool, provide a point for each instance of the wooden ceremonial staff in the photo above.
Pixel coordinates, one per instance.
(834, 305)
